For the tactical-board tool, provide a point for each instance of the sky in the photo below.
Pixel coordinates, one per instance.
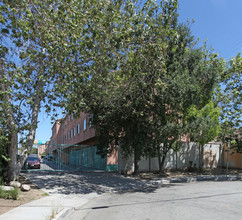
(217, 21)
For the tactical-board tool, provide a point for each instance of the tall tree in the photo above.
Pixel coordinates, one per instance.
(228, 97)
(59, 44)
(133, 60)
(25, 82)
(160, 73)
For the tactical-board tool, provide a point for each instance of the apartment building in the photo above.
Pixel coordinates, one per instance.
(77, 130)
(42, 149)
(73, 142)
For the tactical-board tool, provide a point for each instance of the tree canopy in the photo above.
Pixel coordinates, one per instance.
(131, 64)
(141, 94)
(228, 97)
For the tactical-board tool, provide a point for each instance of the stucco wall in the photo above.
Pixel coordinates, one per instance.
(234, 159)
(212, 155)
(179, 160)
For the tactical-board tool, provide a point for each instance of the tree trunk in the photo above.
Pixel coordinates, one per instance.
(14, 166)
(176, 160)
(164, 153)
(38, 96)
(136, 165)
(32, 131)
(12, 127)
(162, 163)
(12, 154)
(201, 156)
(159, 160)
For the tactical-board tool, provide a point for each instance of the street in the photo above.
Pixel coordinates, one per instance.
(199, 200)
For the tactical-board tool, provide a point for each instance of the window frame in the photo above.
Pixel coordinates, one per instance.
(84, 124)
(78, 128)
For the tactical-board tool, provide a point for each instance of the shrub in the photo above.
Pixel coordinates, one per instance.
(11, 194)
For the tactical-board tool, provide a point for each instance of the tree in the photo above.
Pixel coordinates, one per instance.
(133, 60)
(229, 93)
(228, 97)
(4, 140)
(25, 82)
(204, 126)
(57, 45)
(4, 133)
(141, 99)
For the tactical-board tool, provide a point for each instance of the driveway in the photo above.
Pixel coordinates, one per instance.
(81, 183)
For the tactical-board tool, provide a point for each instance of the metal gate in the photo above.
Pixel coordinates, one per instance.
(69, 158)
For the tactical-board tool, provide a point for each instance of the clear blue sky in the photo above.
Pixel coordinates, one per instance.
(217, 21)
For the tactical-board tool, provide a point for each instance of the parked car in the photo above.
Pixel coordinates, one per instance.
(33, 162)
(33, 155)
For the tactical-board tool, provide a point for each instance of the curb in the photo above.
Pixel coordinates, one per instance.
(197, 179)
(62, 214)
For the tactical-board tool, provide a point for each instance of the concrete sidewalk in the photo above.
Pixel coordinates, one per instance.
(57, 205)
(49, 207)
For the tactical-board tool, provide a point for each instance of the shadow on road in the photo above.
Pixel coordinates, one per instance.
(85, 183)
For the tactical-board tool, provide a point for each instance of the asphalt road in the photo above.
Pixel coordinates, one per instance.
(199, 200)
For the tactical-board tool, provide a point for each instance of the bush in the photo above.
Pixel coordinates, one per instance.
(11, 194)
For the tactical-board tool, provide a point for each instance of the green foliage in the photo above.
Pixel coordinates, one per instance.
(34, 151)
(228, 97)
(10, 194)
(5, 158)
(144, 73)
(236, 141)
(204, 124)
(132, 65)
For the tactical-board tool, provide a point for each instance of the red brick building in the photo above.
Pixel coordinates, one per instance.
(42, 150)
(71, 137)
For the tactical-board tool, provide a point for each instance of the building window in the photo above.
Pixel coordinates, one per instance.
(78, 128)
(71, 133)
(74, 131)
(68, 117)
(71, 116)
(90, 120)
(84, 124)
